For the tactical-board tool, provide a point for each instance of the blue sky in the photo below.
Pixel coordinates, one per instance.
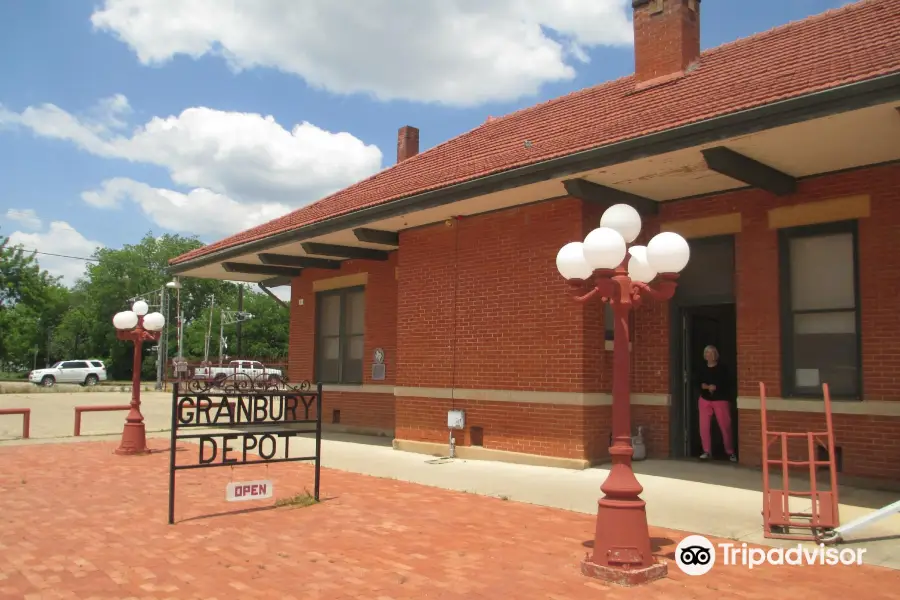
(340, 70)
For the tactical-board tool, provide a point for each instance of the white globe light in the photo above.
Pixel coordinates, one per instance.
(624, 219)
(668, 252)
(125, 320)
(154, 321)
(638, 267)
(140, 308)
(604, 248)
(570, 262)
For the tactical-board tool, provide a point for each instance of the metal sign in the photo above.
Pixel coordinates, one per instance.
(266, 413)
(378, 367)
(249, 490)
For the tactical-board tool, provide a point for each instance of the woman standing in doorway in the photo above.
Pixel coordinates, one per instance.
(715, 396)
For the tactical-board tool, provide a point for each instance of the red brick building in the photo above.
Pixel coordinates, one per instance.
(776, 156)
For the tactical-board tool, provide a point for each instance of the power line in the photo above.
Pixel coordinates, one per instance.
(60, 255)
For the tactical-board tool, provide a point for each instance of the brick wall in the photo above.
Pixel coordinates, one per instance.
(870, 445)
(757, 285)
(577, 432)
(479, 305)
(758, 316)
(358, 409)
(655, 421)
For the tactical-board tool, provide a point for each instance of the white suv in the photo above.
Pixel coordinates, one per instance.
(84, 372)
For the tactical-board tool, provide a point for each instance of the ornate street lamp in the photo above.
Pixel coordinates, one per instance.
(136, 326)
(623, 277)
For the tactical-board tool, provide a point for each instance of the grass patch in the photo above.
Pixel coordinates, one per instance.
(297, 501)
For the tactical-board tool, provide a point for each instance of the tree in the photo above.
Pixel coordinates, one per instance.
(264, 337)
(137, 270)
(37, 311)
(20, 275)
(32, 303)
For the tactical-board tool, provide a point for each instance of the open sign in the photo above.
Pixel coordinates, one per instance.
(249, 490)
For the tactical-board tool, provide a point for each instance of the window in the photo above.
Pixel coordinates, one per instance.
(340, 318)
(73, 365)
(97, 364)
(609, 323)
(820, 308)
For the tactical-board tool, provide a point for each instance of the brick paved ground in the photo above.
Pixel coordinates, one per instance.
(77, 521)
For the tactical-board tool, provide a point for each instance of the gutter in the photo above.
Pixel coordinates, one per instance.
(854, 96)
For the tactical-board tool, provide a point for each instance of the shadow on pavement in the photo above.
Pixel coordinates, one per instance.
(748, 478)
(246, 511)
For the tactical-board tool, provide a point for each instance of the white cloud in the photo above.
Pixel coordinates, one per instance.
(201, 211)
(245, 156)
(457, 52)
(244, 168)
(59, 239)
(26, 218)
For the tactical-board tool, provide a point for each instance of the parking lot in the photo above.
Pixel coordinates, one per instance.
(53, 412)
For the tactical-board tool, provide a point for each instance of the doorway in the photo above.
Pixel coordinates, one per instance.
(702, 326)
(701, 313)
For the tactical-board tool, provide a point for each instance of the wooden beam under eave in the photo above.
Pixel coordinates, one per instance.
(298, 262)
(607, 196)
(347, 252)
(377, 236)
(752, 172)
(276, 282)
(248, 269)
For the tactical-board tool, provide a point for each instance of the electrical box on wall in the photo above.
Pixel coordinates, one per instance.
(456, 419)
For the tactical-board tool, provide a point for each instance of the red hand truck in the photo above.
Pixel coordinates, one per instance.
(779, 521)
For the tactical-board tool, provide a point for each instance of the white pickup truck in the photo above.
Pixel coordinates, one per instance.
(238, 368)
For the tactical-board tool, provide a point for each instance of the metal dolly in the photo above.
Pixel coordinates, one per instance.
(779, 521)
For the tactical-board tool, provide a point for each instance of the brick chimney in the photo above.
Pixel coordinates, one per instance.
(666, 38)
(407, 143)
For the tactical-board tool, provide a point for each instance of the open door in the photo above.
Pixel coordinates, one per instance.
(704, 326)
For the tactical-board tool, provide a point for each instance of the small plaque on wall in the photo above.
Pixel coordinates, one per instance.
(378, 368)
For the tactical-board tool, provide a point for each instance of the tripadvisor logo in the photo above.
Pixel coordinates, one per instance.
(696, 555)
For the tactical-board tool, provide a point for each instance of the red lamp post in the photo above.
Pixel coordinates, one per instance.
(622, 551)
(137, 326)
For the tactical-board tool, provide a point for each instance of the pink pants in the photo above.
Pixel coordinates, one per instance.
(723, 416)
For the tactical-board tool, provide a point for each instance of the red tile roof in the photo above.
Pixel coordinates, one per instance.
(850, 44)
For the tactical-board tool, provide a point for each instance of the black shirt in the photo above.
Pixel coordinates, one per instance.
(717, 376)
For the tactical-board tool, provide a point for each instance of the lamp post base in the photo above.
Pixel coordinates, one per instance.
(623, 576)
(134, 440)
(623, 551)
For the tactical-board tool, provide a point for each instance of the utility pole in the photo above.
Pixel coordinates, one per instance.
(212, 305)
(229, 317)
(240, 309)
(160, 345)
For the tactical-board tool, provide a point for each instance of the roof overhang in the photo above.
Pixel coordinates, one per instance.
(770, 147)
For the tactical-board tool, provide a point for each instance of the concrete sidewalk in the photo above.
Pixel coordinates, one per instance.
(716, 500)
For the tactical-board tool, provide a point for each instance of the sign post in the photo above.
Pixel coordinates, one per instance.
(266, 412)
